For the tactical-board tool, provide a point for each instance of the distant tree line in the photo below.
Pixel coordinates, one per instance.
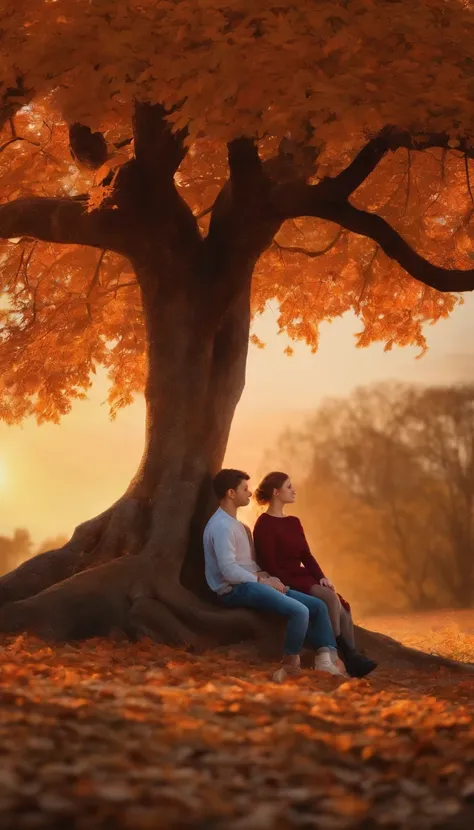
(385, 484)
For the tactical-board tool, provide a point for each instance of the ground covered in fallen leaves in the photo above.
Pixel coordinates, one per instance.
(114, 735)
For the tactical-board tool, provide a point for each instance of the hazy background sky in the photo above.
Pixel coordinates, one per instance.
(53, 477)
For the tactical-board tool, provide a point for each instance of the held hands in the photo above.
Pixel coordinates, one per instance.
(273, 582)
(326, 583)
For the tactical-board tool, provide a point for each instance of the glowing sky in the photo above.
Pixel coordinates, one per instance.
(53, 477)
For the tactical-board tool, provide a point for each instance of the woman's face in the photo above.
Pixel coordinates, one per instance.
(286, 493)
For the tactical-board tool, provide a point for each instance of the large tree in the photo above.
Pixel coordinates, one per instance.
(205, 157)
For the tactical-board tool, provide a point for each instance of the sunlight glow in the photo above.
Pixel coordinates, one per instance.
(3, 475)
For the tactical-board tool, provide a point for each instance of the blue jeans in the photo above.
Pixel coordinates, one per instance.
(308, 617)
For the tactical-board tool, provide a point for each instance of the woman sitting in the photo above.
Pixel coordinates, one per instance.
(282, 551)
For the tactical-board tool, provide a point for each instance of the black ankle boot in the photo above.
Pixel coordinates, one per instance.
(357, 665)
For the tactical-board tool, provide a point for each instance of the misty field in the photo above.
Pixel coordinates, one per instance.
(447, 633)
(113, 735)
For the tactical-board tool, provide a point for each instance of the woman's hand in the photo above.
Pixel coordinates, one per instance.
(273, 582)
(326, 583)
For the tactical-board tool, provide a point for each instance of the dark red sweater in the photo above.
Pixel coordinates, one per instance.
(282, 550)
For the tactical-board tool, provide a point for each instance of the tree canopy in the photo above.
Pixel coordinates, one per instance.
(362, 115)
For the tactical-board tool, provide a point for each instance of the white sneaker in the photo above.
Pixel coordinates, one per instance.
(323, 662)
(285, 670)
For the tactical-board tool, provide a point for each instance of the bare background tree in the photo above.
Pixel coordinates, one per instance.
(386, 492)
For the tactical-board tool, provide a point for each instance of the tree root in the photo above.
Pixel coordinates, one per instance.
(152, 619)
(122, 596)
(107, 536)
(125, 532)
(90, 604)
(119, 595)
(385, 649)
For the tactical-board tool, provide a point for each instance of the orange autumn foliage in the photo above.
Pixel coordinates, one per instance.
(327, 75)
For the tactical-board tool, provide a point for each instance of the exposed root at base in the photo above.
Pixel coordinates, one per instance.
(120, 596)
(110, 535)
(383, 648)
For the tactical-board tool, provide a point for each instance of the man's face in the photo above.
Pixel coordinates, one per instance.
(242, 494)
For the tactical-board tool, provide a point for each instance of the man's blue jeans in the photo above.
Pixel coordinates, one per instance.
(308, 617)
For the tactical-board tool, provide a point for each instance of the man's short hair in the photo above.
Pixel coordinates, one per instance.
(227, 480)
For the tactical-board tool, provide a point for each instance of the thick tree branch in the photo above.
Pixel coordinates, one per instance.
(389, 140)
(245, 168)
(64, 221)
(392, 244)
(158, 150)
(329, 200)
(151, 187)
(309, 200)
(242, 225)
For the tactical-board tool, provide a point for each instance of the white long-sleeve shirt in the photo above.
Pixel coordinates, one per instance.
(228, 554)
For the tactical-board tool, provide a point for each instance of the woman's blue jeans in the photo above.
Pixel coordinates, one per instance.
(308, 617)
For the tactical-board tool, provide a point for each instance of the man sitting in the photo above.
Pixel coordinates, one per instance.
(232, 573)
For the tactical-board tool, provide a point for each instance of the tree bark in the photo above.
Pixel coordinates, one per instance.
(196, 376)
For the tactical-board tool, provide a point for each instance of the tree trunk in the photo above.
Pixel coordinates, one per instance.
(123, 569)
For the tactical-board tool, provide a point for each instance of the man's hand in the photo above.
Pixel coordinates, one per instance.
(326, 583)
(273, 582)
